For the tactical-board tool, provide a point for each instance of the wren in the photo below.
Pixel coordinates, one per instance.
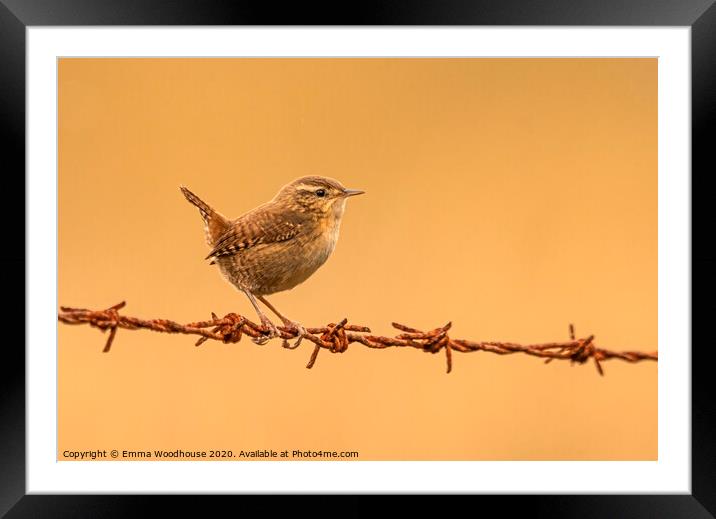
(279, 244)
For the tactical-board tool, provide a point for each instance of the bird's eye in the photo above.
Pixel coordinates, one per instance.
(321, 193)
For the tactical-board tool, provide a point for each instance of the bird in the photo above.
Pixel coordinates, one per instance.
(277, 245)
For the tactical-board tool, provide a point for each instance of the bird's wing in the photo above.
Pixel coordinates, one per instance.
(255, 229)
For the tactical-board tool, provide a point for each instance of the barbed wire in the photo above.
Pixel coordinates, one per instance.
(335, 337)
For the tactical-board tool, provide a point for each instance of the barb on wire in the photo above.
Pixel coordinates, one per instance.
(336, 337)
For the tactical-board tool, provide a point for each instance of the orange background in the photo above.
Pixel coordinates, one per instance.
(510, 196)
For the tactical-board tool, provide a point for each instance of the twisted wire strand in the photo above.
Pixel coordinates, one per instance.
(335, 337)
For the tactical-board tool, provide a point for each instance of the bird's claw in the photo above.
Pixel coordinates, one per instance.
(300, 332)
(271, 334)
(297, 327)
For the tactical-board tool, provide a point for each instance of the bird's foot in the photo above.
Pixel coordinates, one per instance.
(300, 333)
(296, 327)
(272, 332)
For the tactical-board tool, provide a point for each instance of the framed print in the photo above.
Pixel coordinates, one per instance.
(505, 310)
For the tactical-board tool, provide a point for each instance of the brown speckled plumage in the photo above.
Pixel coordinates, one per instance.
(279, 244)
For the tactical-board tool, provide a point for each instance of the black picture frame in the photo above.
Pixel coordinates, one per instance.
(16, 15)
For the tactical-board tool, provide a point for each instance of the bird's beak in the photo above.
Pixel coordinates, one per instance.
(352, 192)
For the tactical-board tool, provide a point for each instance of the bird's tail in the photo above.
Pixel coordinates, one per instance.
(215, 224)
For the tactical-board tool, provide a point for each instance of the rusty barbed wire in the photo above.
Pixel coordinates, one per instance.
(335, 337)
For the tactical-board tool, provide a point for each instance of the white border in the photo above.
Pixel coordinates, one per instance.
(670, 474)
